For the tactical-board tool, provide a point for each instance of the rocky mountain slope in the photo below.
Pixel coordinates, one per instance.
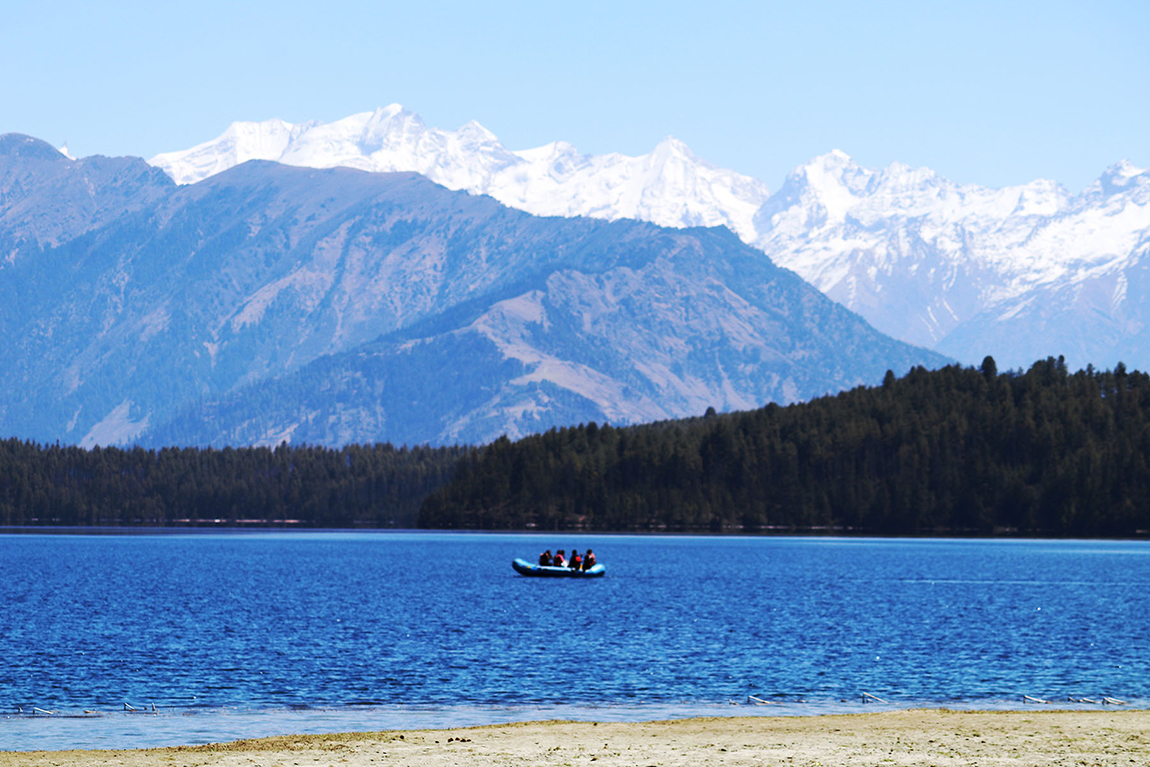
(1021, 272)
(270, 302)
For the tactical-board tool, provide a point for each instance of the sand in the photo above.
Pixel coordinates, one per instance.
(919, 737)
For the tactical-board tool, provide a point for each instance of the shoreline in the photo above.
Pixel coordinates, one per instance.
(221, 526)
(900, 737)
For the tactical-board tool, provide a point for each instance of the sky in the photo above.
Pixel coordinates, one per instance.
(994, 93)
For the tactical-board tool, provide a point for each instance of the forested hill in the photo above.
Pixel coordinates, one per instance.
(356, 486)
(951, 451)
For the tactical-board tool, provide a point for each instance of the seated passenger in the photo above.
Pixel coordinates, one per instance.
(576, 560)
(588, 560)
(545, 558)
(560, 559)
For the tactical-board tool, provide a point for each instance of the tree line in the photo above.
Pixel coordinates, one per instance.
(355, 486)
(953, 451)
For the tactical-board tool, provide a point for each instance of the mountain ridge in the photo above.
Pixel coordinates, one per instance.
(263, 271)
(927, 260)
(472, 159)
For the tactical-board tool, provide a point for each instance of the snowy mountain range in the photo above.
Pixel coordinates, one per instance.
(1020, 272)
(269, 303)
(668, 187)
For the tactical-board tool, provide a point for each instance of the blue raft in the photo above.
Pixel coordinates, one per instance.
(523, 567)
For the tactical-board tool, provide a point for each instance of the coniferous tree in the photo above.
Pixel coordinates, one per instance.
(951, 451)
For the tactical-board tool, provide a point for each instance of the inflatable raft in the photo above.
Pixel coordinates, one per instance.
(523, 567)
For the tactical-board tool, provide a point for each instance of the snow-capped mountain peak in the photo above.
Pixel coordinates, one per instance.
(922, 257)
(549, 152)
(670, 186)
(240, 142)
(387, 126)
(1124, 169)
(671, 146)
(834, 162)
(474, 133)
(1121, 177)
(836, 181)
(919, 256)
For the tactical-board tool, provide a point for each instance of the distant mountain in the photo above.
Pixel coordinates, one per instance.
(47, 198)
(643, 325)
(1020, 272)
(269, 302)
(669, 186)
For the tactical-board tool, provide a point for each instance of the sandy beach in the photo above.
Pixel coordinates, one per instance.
(917, 737)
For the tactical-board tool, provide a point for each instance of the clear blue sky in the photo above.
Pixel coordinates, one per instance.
(995, 93)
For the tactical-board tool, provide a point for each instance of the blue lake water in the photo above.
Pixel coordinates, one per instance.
(257, 633)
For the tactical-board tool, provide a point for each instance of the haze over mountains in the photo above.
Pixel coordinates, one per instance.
(1021, 272)
(269, 302)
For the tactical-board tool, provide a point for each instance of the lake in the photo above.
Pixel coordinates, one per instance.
(236, 635)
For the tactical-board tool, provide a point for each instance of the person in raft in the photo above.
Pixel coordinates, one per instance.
(545, 558)
(560, 559)
(576, 560)
(588, 560)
